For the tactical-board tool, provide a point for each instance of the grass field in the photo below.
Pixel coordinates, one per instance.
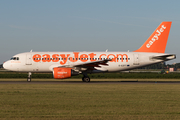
(90, 101)
(117, 75)
(92, 80)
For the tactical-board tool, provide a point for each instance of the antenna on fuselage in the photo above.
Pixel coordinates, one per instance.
(31, 51)
(107, 50)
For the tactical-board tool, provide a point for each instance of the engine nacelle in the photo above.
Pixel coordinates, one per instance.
(62, 73)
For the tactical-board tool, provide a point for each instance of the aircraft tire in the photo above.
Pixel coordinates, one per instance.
(28, 79)
(86, 79)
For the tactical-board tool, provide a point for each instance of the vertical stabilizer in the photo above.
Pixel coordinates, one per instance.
(157, 41)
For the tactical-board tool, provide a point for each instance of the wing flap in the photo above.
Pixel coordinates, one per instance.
(93, 63)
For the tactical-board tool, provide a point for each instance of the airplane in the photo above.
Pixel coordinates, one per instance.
(66, 64)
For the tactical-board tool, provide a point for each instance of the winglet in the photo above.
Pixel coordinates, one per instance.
(157, 41)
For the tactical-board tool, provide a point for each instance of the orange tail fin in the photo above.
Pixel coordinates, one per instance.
(157, 41)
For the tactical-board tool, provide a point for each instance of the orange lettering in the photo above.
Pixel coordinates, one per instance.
(76, 54)
(92, 56)
(114, 59)
(65, 58)
(83, 57)
(46, 58)
(36, 58)
(55, 58)
(122, 57)
(101, 56)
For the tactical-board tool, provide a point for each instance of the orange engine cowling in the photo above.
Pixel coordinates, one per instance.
(61, 73)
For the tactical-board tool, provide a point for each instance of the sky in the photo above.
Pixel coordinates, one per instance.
(84, 25)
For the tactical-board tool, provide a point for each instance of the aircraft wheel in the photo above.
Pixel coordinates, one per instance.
(86, 79)
(29, 79)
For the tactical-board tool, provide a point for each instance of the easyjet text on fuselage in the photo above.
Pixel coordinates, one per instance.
(63, 58)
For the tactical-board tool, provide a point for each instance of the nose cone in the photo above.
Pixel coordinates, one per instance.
(6, 65)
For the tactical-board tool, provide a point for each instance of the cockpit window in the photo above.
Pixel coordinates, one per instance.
(15, 58)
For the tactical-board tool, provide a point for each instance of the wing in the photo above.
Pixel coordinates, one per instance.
(93, 65)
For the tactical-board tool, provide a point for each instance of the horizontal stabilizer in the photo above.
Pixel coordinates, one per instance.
(164, 57)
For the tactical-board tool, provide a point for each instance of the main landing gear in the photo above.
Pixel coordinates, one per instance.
(85, 78)
(29, 77)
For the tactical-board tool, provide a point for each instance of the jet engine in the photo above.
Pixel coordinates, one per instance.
(62, 73)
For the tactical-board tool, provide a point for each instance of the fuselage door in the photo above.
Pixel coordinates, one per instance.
(136, 59)
(28, 59)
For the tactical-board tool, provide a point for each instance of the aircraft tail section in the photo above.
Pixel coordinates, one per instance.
(157, 41)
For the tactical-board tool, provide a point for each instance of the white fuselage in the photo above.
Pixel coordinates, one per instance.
(46, 61)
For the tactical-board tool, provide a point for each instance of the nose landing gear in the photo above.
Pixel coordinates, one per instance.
(29, 77)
